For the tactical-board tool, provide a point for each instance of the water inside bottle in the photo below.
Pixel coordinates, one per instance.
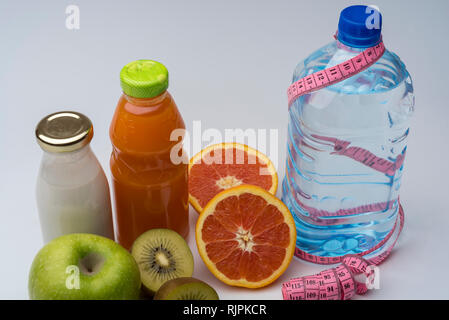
(342, 205)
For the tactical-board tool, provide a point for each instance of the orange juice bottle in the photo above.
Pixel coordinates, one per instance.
(150, 189)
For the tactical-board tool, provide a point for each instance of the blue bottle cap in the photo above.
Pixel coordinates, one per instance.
(359, 26)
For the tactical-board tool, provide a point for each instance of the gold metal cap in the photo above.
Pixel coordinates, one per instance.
(64, 131)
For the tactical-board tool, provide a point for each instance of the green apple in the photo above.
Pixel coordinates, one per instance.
(81, 267)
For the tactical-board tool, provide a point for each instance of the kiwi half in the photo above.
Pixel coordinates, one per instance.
(161, 255)
(186, 288)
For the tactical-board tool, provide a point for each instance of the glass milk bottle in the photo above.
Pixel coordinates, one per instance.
(72, 190)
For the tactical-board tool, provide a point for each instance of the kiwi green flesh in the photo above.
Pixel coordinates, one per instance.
(186, 288)
(161, 255)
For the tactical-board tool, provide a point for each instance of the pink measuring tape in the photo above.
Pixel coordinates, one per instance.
(339, 283)
(340, 72)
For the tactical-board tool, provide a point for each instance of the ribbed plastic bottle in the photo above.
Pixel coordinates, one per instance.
(341, 203)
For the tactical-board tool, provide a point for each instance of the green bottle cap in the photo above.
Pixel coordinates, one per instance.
(144, 79)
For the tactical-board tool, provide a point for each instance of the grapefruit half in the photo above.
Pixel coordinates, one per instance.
(226, 165)
(246, 236)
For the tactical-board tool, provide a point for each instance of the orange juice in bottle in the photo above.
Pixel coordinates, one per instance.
(150, 190)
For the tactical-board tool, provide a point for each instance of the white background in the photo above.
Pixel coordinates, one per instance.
(230, 64)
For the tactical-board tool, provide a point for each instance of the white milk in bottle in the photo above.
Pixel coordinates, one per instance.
(72, 190)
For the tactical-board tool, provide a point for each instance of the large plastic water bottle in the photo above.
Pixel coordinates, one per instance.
(340, 140)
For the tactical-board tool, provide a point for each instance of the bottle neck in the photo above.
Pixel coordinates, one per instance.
(67, 157)
(342, 46)
(146, 102)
